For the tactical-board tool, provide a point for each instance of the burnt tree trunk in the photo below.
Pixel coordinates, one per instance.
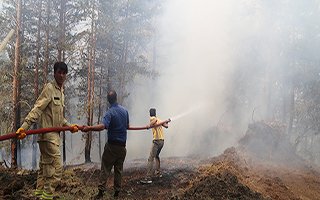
(91, 77)
(16, 84)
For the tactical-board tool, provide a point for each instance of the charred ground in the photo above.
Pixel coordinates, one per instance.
(242, 172)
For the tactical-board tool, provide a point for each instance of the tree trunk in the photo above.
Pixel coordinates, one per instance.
(61, 42)
(99, 110)
(36, 82)
(89, 105)
(122, 93)
(108, 76)
(291, 109)
(61, 57)
(123, 63)
(16, 84)
(46, 54)
(5, 41)
(89, 134)
(91, 76)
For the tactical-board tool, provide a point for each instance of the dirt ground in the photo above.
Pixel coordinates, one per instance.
(238, 173)
(231, 175)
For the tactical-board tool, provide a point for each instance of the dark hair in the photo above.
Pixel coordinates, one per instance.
(112, 97)
(152, 112)
(60, 65)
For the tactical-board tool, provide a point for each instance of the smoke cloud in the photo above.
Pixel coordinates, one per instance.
(205, 52)
(196, 45)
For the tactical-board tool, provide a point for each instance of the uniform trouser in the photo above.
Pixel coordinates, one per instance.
(113, 156)
(154, 155)
(50, 171)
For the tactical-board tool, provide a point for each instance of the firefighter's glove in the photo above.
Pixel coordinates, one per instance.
(21, 133)
(74, 128)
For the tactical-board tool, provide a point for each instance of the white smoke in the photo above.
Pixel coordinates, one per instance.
(204, 45)
(195, 61)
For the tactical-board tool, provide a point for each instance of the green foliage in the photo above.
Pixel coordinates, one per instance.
(124, 38)
(123, 33)
(6, 98)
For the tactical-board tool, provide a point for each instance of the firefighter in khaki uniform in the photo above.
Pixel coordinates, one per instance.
(48, 110)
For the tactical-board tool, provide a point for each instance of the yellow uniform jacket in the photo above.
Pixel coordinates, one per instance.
(48, 111)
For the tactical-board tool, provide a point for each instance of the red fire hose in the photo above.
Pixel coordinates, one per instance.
(39, 131)
(67, 128)
(148, 127)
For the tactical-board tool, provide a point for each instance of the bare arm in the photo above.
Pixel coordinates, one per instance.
(98, 127)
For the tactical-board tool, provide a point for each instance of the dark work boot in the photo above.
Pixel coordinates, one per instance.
(116, 194)
(99, 195)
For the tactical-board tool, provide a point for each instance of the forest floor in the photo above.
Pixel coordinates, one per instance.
(238, 173)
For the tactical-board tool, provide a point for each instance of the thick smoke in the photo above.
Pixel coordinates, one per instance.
(216, 61)
(196, 58)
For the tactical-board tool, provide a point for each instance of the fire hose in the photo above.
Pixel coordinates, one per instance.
(148, 127)
(69, 128)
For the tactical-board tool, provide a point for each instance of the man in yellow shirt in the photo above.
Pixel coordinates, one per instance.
(48, 110)
(157, 144)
